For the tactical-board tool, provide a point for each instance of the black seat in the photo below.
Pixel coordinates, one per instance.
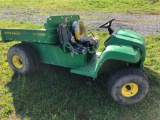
(65, 37)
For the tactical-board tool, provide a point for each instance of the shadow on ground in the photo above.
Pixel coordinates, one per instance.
(55, 93)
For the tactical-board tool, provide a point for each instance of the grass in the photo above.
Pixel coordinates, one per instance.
(54, 93)
(122, 6)
(19, 25)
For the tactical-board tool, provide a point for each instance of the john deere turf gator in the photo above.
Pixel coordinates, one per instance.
(57, 44)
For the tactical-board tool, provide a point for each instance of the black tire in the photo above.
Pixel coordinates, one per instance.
(128, 86)
(22, 59)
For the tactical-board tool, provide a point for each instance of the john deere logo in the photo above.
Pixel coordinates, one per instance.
(12, 33)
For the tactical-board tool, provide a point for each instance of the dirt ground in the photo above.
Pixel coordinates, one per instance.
(144, 24)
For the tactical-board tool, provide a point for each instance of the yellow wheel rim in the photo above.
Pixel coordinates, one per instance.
(129, 90)
(17, 61)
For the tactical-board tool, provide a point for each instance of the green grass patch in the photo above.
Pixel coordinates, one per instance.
(54, 93)
(10, 24)
(127, 6)
(153, 58)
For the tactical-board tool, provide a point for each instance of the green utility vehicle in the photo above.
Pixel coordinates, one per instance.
(123, 56)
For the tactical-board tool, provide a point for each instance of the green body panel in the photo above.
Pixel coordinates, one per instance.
(24, 35)
(123, 45)
(112, 52)
(127, 37)
(117, 52)
(54, 54)
(49, 35)
(53, 21)
(123, 53)
(90, 68)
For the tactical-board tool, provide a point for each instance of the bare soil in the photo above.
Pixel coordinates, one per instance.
(144, 24)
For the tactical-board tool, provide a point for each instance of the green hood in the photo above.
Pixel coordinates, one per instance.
(126, 37)
(129, 33)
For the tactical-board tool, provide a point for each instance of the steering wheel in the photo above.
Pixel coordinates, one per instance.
(107, 24)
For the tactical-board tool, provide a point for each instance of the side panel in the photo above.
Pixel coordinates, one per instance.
(131, 38)
(117, 52)
(53, 54)
(23, 35)
(123, 53)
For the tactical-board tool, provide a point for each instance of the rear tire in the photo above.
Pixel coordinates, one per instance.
(128, 86)
(22, 59)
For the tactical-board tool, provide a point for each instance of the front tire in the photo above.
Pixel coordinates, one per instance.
(22, 59)
(128, 86)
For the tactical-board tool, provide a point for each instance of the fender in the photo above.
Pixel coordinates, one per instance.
(123, 52)
(118, 52)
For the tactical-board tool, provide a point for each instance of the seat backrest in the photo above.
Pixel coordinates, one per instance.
(64, 33)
